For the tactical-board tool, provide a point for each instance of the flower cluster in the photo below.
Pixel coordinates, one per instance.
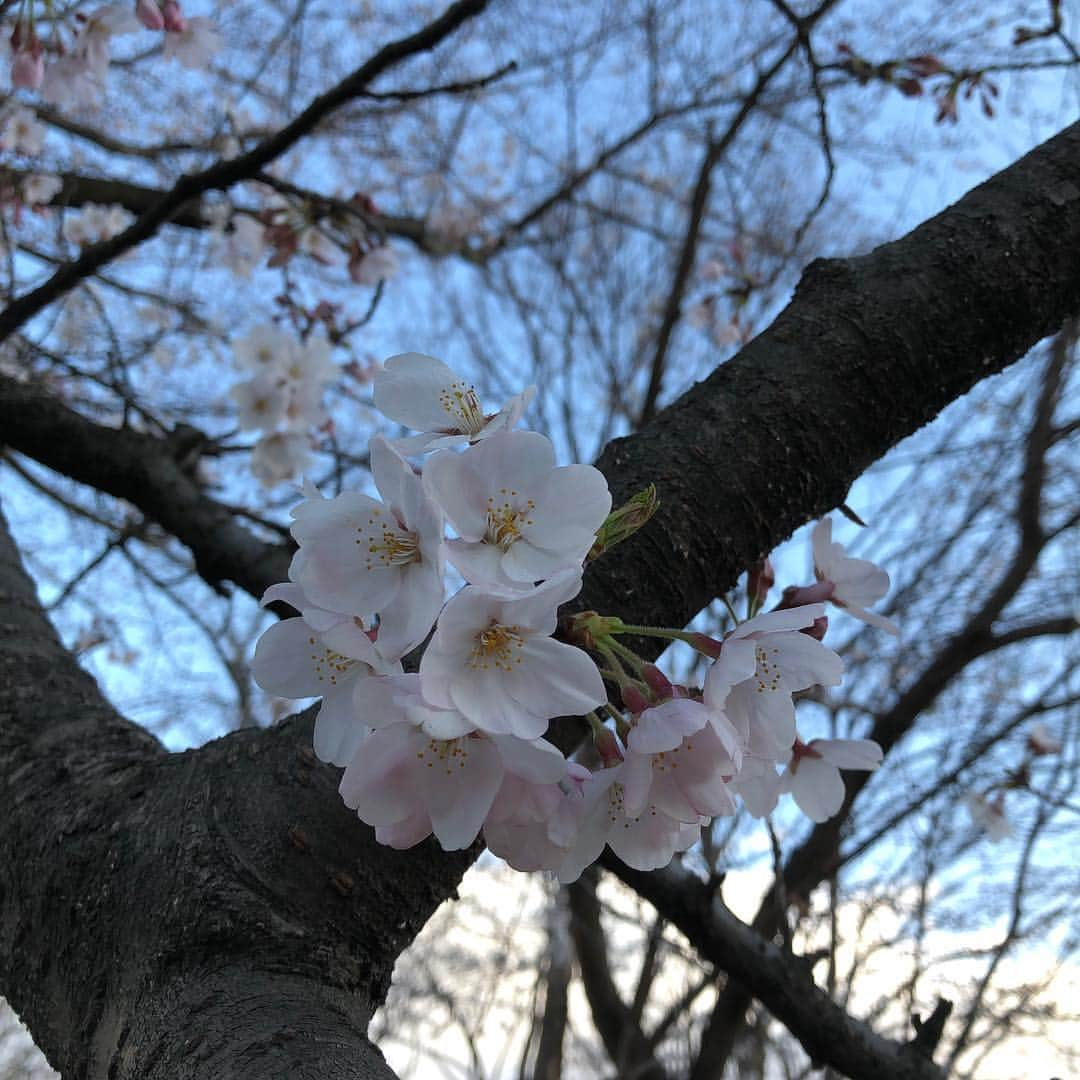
(71, 65)
(95, 223)
(282, 397)
(458, 747)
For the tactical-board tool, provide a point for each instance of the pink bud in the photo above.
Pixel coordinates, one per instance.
(28, 68)
(1040, 741)
(634, 699)
(657, 681)
(799, 595)
(707, 645)
(173, 18)
(149, 14)
(818, 629)
(760, 580)
(607, 746)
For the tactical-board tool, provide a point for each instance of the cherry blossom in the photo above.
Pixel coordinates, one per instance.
(397, 699)
(813, 773)
(22, 133)
(371, 267)
(194, 44)
(493, 658)
(27, 62)
(421, 392)
(294, 660)
(95, 38)
(857, 583)
(95, 223)
(39, 190)
(264, 348)
(532, 826)
(1041, 741)
(988, 814)
(149, 14)
(260, 402)
(362, 555)
(240, 245)
(408, 784)
(70, 80)
(676, 763)
(645, 839)
(280, 456)
(519, 518)
(762, 663)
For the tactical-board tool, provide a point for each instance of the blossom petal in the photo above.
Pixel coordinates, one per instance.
(817, 787)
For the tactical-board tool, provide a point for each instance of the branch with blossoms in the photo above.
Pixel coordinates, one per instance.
(459, 747)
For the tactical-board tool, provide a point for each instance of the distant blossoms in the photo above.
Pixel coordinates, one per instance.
(282, 398)
(69, 66)
(459, 749)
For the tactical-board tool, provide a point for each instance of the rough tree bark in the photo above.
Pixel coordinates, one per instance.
(219, 914)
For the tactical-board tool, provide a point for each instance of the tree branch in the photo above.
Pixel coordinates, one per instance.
(223, 174)
(780, 979)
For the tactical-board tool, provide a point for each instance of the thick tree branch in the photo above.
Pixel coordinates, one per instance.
(819, 854)
(214, 914)
(155, 474)
(828, 1033)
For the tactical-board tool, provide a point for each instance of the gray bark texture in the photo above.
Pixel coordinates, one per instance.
(219, 914)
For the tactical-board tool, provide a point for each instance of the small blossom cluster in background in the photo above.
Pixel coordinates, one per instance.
(282, 398)
(987, 808)
(70, 64)
(459, 748)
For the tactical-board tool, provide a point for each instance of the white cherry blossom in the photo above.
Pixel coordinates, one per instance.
(265, 348)
(676, 762)
(532, 826)
(39, 190)
(519, 519)
(22, 133)
(195, 44)
(242, 247)
(762, 663)
(857, 583)
(95, 37)
(70, 80)
(373, 266)
(493, 658)
(644, 838)
(294, 660)
(423, 393)
(361, 555)
(260, 402)
(408, 784)
(280, 456)
(988, 814)
(813, 773)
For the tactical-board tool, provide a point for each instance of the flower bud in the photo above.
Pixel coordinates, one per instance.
(707, 645)
(657, 681)
(172, 17)
(760, 580)
(623, 522)
(1040, 741)
(149, 14)
(607, 746)
(634, 699)
(27, 69)
(799, 595)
